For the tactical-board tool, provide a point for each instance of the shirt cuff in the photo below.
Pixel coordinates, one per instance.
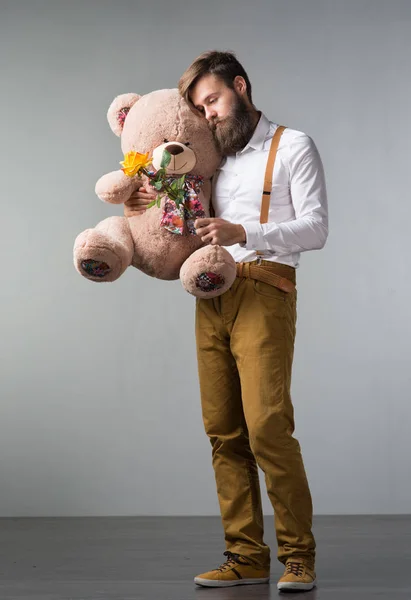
(254, 236)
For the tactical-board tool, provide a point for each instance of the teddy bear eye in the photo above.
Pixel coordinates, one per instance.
(187, 144)
(165, 140)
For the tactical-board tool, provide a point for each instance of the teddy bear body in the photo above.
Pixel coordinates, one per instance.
(158, 242)
(157, 252)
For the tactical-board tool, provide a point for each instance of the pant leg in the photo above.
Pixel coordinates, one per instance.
(263, 345)
(235, 468)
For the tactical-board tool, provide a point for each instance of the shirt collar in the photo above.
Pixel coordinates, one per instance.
(260, 133)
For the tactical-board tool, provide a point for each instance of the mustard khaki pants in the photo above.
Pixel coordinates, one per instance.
(245, 345)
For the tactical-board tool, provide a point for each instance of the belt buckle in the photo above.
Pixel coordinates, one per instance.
(258, 261)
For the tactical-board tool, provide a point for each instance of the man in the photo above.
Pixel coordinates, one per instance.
(245, 338)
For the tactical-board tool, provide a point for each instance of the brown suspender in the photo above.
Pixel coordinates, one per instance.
(264, 273)
(268, 178)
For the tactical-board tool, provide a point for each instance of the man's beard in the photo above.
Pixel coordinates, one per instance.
(234, 132)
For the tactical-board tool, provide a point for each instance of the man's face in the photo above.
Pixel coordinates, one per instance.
(226, 111)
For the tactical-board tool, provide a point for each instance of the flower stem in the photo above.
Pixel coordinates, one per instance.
(170, 193)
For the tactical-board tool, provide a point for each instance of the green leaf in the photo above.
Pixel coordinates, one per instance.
(152, 203)
(165, 160)
(180, 182)
(158, 185)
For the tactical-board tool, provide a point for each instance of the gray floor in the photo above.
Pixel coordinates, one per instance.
(360, 558)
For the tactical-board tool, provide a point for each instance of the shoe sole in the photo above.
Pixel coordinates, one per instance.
(304, 587)
(219, 583)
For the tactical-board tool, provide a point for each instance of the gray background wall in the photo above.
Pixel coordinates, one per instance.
(100, 409)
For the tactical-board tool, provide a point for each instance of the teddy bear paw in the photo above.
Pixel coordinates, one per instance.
(95, 268)
(209, 281)
(208, 272)
(99, 258)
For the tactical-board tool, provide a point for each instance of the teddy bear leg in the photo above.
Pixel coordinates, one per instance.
(208, 272)
(105, 252)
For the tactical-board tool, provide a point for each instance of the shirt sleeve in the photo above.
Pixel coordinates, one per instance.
(309, 229)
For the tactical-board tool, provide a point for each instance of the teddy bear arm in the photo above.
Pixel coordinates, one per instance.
(116, 187)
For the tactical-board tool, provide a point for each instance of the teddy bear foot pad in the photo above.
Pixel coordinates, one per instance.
(95, 268)
(209, 282)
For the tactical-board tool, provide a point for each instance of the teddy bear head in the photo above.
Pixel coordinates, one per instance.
(162, 120)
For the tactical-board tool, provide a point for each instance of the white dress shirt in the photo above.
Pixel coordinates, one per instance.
(298, 216)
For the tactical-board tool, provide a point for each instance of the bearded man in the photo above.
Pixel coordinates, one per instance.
(270, 205)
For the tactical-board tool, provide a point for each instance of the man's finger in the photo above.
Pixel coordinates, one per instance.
(201, 231)
(145, 190)
(148, 191)
(198, 223)
(139, 202)
(209, 239)
(136, 206)
(142, 196)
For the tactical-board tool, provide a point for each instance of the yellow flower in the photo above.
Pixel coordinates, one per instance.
(133, 162)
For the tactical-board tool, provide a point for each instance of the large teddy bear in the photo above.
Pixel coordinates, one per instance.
(161, 242)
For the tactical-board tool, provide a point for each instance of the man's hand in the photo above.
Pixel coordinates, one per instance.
(219, 231)
(138, 202)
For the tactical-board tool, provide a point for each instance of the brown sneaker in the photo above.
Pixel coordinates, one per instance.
(237, 570)
(298, 575)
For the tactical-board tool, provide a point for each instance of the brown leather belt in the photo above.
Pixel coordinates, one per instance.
(276, 274)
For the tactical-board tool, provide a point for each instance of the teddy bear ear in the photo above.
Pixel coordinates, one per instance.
(118, 111)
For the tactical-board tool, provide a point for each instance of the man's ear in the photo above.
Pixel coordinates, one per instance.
(240, 85)
(118, 110)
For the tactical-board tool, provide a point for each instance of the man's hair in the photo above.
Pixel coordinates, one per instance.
(213, 62)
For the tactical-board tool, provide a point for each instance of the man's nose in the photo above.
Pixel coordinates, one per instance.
(210, 113)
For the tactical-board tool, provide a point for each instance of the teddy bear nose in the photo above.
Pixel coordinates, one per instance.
(174, 149)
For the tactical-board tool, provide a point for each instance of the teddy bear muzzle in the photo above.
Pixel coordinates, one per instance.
(183, 159)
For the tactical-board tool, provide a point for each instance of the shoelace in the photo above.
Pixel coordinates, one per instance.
(232, 559)
(296, 568)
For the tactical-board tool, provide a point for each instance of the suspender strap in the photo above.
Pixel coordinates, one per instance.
(266, 273)
(268, 178)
